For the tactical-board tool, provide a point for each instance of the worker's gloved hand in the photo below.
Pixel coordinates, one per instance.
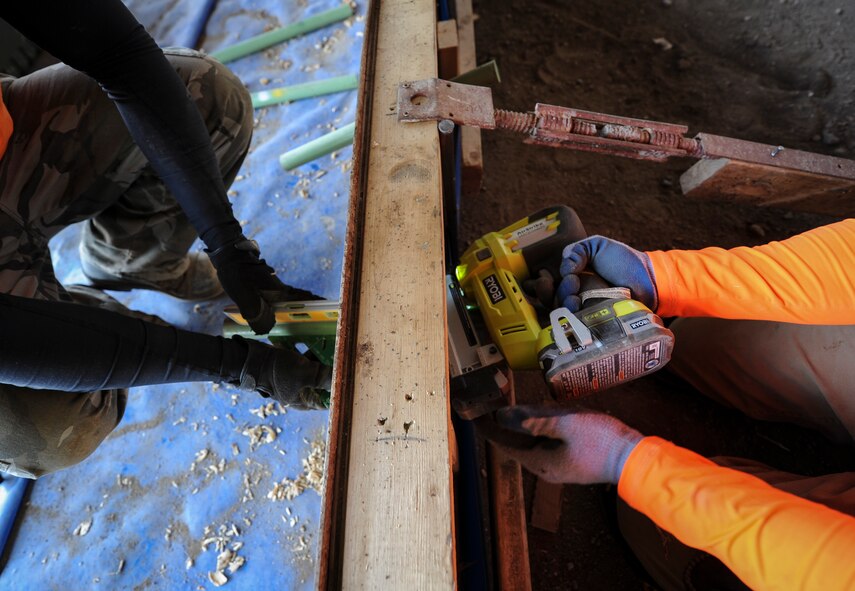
(617, 263)
(594, 445)
(286, 376)
(540, 290)
(251, 283)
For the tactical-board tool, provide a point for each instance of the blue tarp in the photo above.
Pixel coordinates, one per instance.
(180, 470)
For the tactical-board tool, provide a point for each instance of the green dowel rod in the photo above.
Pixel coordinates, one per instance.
(318, 147)
(286, 94)
(265, 40)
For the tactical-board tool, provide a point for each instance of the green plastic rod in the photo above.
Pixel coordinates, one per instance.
(318, 147)
(286, 94)
(265, 40)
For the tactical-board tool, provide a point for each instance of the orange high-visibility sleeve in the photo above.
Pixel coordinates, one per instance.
(806, 279)
(769, 538)
(5, 125)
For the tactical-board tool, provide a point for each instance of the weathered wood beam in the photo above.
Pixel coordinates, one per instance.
(546, 506)
(762, 174)
(387, 510)
(470, 137)
(510, 535)
(446, 47)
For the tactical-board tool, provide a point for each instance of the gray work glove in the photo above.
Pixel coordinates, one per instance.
(617, 263)
(286, 376)
(594, 445)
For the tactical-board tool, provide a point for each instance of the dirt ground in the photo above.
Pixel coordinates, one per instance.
(774, 71)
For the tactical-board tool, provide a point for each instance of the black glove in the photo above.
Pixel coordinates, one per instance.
(251, 283)
(540, 290)
(286, 376)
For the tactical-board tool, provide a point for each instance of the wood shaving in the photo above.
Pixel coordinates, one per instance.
(83, 528)
(223, 559)
(201, 455)
(312, 476)
(301, 545)
(219, 542)
(217, 468)
(287, 489)
(248, 495)
(217, 578)
(259, 435)
(236, 563)
(266, 410)
(227, 557)
(663, 43)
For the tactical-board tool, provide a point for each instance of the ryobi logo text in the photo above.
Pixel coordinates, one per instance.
(494, 290)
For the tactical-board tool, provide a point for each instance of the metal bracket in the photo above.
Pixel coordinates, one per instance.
(434, 99)
(610, 134)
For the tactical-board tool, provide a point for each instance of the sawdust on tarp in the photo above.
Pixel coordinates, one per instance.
(312, 476)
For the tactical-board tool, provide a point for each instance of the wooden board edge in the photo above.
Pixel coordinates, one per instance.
(472, 159)
(328, 573)
(510, 534)
(333, 545)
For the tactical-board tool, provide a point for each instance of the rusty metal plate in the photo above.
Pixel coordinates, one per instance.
(434, 99)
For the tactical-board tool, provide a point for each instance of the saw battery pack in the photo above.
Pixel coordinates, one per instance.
(603, 345)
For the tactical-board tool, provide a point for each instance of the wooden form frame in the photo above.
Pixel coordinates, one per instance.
(387, 514)
(470, 140)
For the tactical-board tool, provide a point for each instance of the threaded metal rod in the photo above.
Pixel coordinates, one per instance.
(515, 121)
(527, 123)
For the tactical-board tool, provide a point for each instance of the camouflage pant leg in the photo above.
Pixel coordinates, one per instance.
(145, 233)
(42, 431)
(70, 158)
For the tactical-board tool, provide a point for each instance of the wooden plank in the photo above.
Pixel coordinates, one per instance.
(472, 169)
(546, 506)
(761, 184)
(717, 146)
(508, 511)
(446, 47)
(387, 510)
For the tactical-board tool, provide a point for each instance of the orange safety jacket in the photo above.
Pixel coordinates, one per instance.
(5, 125)
(806, 279)
(769, 538)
